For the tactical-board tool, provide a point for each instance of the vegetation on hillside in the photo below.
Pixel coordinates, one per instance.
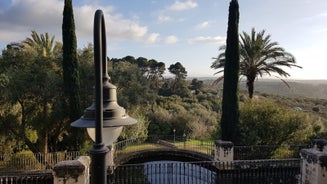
(264, 122)
(44, 85)
(31, 113)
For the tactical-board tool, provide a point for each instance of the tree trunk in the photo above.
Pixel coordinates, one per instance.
(21, 132)
(250, 85)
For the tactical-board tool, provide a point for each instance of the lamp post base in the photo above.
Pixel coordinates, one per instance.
(98, 164)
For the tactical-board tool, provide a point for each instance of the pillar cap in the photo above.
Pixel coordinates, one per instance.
(72, 168)
(224, 144)
(314, 156)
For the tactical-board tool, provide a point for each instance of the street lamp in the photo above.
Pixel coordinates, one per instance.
(184, 139)
(174, 134)
(105, 115)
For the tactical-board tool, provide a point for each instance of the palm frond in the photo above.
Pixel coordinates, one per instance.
(283, 81)
(219, 79)
(259, 56)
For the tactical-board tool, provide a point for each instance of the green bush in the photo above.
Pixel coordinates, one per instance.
(283, 151)
(24, 160)
(267, 123)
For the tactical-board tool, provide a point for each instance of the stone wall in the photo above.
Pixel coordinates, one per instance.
(314, 165)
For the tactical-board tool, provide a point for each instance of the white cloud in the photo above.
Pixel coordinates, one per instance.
(163, 18)
(124, 29)
(117, 27)
(202, 39)
(323, 14)
(181, 6)
(203, 25)
(171, 39)
(152, 38)
(322, 30)
(315, 17)
(22, 16)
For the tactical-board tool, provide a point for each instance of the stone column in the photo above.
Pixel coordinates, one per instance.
(224, 150)
(72, 171)
(110, 159)
(314, 165)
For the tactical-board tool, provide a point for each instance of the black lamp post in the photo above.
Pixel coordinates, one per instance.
(105, 113)
(174, 134)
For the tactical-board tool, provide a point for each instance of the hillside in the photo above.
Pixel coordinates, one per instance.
(298, 88)
(302, 94)
(315, 89)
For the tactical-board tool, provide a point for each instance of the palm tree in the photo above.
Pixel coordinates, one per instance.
(258, 56)
(42, 44)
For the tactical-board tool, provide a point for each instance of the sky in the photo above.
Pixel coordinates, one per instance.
(185, 31)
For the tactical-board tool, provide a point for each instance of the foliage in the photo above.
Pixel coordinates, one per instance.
(196, 85)
(151, 69)
(42, 45)
(32, 115)
(140, 129)
(185, 115)
(132, 86)
(70, 62)
(266, 123)
(71, 80)
(86, 73)
(37, 102)
(259, 56)
(284, 151)
(230, 108)
(24, 160)
(177, 86)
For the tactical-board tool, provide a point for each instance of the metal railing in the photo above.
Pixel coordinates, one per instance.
(27, 178)
(35, 161)
(46, 161)
(236, 172)
(285, 171)
(256, 152)
(140, 144)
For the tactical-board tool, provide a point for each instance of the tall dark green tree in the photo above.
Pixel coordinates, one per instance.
(70, 62)
(230, 107)
(70, 68)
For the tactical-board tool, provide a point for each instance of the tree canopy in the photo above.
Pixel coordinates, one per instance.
(258, 56)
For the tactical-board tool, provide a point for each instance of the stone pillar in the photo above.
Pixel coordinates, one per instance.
(110, 159)
(314, 165)
(72, 171)
(224, 150)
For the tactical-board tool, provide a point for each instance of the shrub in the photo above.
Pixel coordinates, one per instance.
(264, 122)
(24, 160)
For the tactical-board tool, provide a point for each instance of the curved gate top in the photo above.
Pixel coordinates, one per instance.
(154, 149)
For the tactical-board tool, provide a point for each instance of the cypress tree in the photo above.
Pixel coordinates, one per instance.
(72, 106)
(230, 108)
(70, 63)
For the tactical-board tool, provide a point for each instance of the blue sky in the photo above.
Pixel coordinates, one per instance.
(186, 31)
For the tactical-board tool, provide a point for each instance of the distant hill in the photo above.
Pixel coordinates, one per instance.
(316, 89)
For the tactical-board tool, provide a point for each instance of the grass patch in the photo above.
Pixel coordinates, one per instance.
(200, 142)
(138, 147)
